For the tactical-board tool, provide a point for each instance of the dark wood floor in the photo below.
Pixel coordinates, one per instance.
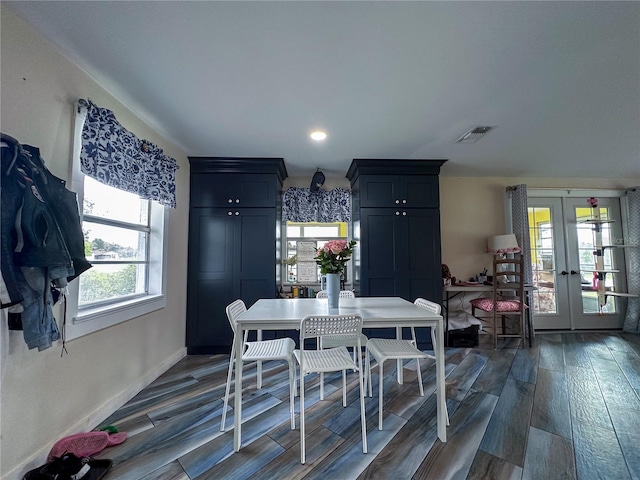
(567, 408)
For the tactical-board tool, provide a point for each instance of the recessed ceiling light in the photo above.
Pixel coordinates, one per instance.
(318, 135)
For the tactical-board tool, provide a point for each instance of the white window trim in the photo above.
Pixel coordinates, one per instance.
(84, 321)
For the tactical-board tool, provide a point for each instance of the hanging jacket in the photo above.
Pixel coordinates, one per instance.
(40, 230)
(63, 204)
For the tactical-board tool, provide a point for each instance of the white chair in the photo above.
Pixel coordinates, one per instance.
(279, 349)
(384, 349)
(339, 340)
(330, 360)
(343, 294)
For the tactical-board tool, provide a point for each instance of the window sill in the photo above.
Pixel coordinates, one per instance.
(93, 319)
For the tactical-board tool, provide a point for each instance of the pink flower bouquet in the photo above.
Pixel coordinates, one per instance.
(334, 255)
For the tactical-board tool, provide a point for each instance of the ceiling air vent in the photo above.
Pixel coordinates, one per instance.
(475, 134)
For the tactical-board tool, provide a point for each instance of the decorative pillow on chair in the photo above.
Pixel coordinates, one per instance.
(486, 304)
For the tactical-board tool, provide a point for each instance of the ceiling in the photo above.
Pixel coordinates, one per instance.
(560, 80)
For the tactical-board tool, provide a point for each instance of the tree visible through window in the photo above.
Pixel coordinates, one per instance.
(116, 231)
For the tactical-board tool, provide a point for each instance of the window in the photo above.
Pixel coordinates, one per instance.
(302, 241)
(116, 231)
(124, 241)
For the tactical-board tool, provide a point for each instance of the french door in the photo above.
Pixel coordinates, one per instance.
(563, 246)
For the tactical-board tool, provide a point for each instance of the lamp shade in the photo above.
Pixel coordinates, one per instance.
(503, 244)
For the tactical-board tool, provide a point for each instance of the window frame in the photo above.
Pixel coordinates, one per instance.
(285, 239)
(90, 319)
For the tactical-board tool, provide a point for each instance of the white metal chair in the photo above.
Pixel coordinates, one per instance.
(278, 349)
(343, 294)
(330, 360)
(384, 349)
(330, 341)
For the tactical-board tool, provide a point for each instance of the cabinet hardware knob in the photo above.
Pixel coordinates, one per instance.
(573, 272)
(404, 213)
(230, 201)
(237, 213)
(397, 201)
(397, 213)
(229, 213)
(237, 200)
(404, 201)
(564, 272)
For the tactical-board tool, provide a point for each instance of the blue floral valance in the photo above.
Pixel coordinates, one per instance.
(302, 205)
(114, 156)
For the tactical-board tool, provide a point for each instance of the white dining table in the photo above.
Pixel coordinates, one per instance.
(376, 312)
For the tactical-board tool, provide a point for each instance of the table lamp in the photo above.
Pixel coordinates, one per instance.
(502, 244)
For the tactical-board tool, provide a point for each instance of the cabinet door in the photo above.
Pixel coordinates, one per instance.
(210, 280)
(419, 259)
(400, 253)
(421, 191)
(380, 191)
(255, 254)
(233, 190)
(232, 254)
(378, 259)
(402, 191)
(400, 256)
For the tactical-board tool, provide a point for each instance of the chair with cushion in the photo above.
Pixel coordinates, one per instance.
(339, 341)
(278, 349)
(330, 360)
(507, 301)
(384, 349)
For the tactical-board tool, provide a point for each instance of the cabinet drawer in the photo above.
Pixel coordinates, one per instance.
(239, 190)
(406, 191)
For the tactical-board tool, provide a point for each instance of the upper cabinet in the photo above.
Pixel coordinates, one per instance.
(236, 182)
(395, 183)
(244, 190)
(399, 191)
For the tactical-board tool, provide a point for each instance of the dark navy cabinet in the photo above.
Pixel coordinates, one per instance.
(396, 222)
(234, 230)
(410, 191)
(244, 190)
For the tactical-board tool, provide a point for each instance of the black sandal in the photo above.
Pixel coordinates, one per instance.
(70, 467)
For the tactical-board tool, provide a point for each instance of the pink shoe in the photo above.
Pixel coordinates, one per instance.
(85, 444)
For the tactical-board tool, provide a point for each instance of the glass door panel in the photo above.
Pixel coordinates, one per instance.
(565, 234)
(542, 260)
(595, 230)
(546, 235)
(587, 246)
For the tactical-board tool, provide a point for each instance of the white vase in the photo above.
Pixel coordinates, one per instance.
(331, 283)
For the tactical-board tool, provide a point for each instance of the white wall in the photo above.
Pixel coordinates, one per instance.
(45, 396)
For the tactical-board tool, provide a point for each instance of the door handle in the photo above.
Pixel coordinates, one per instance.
(573, 272)
(564, 272)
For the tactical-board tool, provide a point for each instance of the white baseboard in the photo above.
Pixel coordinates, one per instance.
(92, 420)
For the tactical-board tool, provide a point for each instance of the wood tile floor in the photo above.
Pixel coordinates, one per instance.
(567, 408)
